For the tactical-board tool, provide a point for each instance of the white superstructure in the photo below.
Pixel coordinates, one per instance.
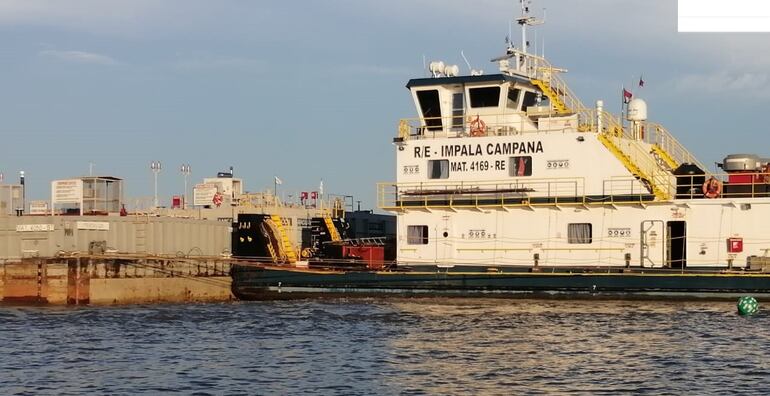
(511, 168)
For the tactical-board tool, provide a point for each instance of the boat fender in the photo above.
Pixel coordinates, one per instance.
(712, 188)
(478, 127)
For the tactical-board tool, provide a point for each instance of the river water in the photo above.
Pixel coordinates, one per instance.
(386, 346)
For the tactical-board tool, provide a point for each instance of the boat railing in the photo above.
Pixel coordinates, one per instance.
(641, 163)
(624, 185)
(514, 123)
(656, 135)
(562, 192)
(511, 193)
(732, 185)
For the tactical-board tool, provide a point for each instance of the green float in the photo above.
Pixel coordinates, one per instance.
(747, 305)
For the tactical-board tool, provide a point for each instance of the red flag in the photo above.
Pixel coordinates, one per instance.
(627, 95)
(522, 171)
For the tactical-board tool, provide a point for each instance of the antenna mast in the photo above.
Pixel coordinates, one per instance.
(526, 20)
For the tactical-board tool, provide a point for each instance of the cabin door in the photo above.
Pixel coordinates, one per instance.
(676, 241)
(653, 252)
(444, 245)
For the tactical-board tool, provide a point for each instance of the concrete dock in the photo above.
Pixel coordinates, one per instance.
(122, 279)
(113, 259)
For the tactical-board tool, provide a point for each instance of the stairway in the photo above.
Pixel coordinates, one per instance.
(553, 96)
(547, 79)
(283, 237)
(273, 254)
(333, 233)
(668, 148)
(639, 163)
(664, 158)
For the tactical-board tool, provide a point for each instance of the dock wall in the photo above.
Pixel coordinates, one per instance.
(122, 279)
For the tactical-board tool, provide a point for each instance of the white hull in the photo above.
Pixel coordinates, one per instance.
(638, 234)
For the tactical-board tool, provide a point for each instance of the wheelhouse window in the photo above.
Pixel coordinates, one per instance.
(521, 166)
(513, 98)
(438, 169)
(458, 111)
(530, 99)
(417, 235)
(431, 108)
(579, 233)
(485, 97)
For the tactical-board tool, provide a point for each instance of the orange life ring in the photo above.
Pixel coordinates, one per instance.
(478, 127)
(712, 188)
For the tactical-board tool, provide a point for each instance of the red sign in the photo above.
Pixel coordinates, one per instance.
(734, 245)
(217, 200)
(314, 195)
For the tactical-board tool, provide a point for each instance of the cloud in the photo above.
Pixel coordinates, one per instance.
(79, 57)
(725, 82)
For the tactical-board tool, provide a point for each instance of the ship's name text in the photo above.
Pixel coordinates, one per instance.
(470, 150)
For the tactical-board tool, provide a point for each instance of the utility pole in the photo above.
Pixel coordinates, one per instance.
(186, 170)
(155, 166)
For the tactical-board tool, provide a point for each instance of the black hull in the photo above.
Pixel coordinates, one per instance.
(265, 282)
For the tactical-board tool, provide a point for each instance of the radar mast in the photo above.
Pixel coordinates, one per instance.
(526, 20)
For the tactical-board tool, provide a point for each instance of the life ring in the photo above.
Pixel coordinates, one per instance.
(478, 127)
(712, 188)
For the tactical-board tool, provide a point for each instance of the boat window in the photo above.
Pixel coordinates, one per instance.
(513, 98)
(579, 233)
(417, 235)
(458, 111)
(438, 169)
(530, 99)
(485, 97)
(521, 166)
(431, 108)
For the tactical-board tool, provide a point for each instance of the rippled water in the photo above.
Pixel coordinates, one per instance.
(386, 346)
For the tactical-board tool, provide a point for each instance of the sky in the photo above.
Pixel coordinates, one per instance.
(314, 89)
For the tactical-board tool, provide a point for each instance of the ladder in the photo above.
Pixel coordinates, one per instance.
(333, 233)
(283, 238)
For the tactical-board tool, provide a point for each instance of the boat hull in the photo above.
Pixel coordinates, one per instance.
(260, 282)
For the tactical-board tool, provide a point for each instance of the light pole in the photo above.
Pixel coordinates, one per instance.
(155, 167)
(23, 192)
(186, 170)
